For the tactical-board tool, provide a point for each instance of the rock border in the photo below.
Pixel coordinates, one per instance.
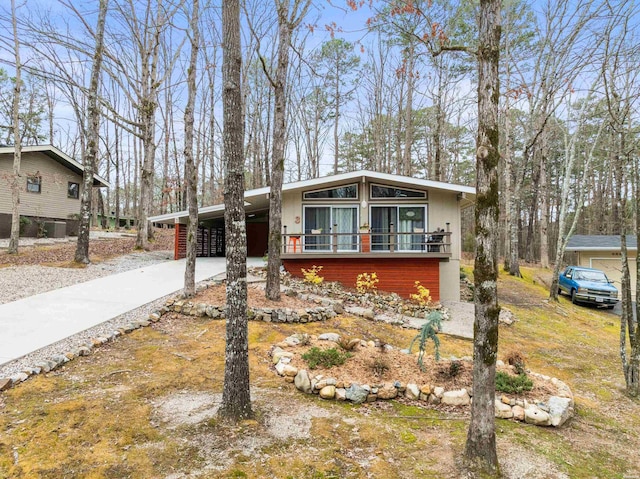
(328, 309)
(553, 411)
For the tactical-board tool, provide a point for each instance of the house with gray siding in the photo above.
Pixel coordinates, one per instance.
(50, 189)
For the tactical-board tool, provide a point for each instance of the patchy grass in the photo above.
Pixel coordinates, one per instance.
(144, 406)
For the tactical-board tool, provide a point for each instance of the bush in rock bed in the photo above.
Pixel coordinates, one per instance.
(326, 358)
(509, 384)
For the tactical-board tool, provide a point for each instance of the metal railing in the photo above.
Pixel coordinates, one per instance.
(389, 241)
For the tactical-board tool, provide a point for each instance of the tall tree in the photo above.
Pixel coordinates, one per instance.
(191, 172)
(17, 138)
(93, 139)
(480, 451)
(289, 17)
(236, 397)
(340, 64)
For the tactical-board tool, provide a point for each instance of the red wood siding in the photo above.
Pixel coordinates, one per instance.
(180, 246)
(395, 274)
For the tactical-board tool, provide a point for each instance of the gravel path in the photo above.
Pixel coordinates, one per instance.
(22, 281)
(17, 282)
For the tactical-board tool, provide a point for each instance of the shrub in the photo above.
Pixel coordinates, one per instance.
(325, 358)
(452, 370)
(366, 283)
(428, 331)
(423, 296)
(24, 222)
(516, 359)
(507, 383)
(311, 276)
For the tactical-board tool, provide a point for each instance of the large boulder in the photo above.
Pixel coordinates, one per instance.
(536, 416)
(559, 410)
(458, 397)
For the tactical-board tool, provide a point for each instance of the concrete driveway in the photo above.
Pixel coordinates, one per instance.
(38, 321)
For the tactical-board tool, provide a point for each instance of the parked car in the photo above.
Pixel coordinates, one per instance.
(587, 285)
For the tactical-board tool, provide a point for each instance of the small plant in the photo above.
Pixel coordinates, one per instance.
(516, 359)
(507, 383)
(311, 275)
(428, 331)
(366, 283)
(379, 367)
(24, 222)
(325, 358)
(451, 371)
(423, 295)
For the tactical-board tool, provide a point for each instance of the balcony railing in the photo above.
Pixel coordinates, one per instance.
(436, 243)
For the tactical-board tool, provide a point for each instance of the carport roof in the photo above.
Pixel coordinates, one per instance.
(258, 199)
(599, 243)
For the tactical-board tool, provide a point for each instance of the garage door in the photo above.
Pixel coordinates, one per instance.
(613, 269)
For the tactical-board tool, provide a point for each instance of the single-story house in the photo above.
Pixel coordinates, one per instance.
(603, 252)
(50, 191)
(404, 229)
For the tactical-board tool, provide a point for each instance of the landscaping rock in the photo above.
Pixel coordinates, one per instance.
(328, 392)
(412, 391)
(456, 398)
(356, 394)
(302, 381)
(518, 412)
(18, 378)
(290, 371)
(5, 383)
(341, 394)
(536, 416)
(366, 313)
(277, 355)
(438, 392)
(387, 391)
(503, 410)
(335, 337)
(559, 410)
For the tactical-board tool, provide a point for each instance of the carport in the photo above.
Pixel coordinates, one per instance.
(211, 230)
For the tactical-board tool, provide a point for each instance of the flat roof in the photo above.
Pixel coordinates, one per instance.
(255, 199)
(59, 156)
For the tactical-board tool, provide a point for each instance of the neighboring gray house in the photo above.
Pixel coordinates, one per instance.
(603, 252)
(50, 191)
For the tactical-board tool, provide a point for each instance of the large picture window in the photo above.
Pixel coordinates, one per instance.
(319, 224)
(34, 184)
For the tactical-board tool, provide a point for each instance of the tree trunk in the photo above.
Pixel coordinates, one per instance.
(480, 451)
(16, 179)
(191, 172)
(93, 131)
(408, 115)
(236, 398)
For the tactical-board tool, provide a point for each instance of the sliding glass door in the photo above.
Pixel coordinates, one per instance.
(318, 224)
(405, 219)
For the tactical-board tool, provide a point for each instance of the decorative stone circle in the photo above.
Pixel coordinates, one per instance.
(553, 411)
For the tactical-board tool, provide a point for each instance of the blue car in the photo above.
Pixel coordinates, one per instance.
(587, 285)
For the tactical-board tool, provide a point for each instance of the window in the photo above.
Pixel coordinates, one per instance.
(341, 193)
(34, 184)
(73, 190)
(379, 191)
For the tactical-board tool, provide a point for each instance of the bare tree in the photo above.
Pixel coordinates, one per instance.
(17, 139)
(191, 172)
(93, 133)
(236, 397)
(480, 450)
(288, 21)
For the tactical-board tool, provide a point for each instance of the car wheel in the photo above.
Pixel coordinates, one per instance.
(611, 306)
(559, 292)
(573, 297)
